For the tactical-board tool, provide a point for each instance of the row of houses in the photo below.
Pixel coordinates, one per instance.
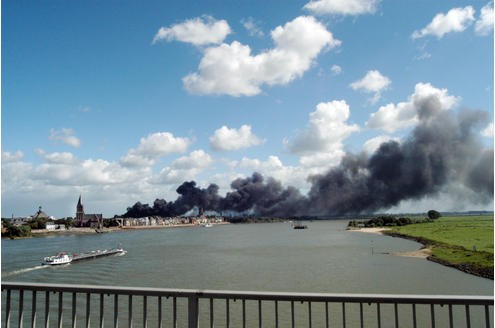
(18, 221)
(171, 221)
(95, 221)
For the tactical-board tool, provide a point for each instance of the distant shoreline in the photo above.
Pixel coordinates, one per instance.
(83, 231)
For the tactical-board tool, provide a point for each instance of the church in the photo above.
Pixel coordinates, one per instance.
(94, 221)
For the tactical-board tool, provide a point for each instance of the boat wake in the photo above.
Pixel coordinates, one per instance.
(13, 273)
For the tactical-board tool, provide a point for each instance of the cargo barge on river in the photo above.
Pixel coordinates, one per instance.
(65, 258)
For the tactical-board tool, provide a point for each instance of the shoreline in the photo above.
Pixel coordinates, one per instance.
(425, 252)
(422, 253)
(82, 231)
(376, 231)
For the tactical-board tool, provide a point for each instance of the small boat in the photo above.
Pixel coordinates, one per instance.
(207, 225)
(60, 258)
(299, 225)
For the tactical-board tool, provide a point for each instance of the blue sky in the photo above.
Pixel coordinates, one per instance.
(122, 101)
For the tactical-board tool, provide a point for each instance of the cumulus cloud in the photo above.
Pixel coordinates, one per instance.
(392, 117)
(199, 31)
(371, 145)
(153, 147)
(87, 172)
(372, 82)
(456, 20)
(342, 7)
(484, 24)
(231, 69)
(488, 131)
(183, 168)
(65, 136)
(289, 175)
(320, 143)
(8, 157)
(62, 177)
(326, 128)
(197, 159)
(59, 158)
(225, 139)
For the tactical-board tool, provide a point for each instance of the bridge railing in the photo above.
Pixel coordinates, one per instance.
(63, 305)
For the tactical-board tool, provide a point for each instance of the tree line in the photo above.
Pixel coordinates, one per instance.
(393, 221)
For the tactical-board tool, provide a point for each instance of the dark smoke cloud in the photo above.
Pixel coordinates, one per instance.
(262, 197)
(443, 149)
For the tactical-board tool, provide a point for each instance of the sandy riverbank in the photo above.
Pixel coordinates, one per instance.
(377, 231)
(423, 253)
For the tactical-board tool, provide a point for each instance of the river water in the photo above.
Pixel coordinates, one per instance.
(257, 257)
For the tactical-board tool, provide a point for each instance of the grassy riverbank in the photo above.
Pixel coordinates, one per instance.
(464, 242)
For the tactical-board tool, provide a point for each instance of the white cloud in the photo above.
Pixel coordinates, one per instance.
(62, 177)
(225, 139)
(197, 159)
(336, 70)
(342, 7)
(60, 158)
(274, 167)
(393, 117)
(65, 136)
(372, 82)
(8, 157)
(252, 27)
(320, 162)
(87, 172)
(484, 25)
(456, 20)
(326, 129)
(153, 147)
(198, 31)
(371, 145)
(183, 168)
(231, 69)
(320, 143)
(15, 174)
(133, 159)
(488, 131)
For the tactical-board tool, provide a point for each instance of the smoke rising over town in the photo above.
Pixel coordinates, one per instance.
(442, 152)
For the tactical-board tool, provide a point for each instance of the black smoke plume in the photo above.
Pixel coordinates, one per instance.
(443, 150)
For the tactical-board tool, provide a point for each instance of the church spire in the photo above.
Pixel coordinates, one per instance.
(79, 211)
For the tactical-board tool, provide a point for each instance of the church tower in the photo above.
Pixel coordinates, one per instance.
(79, 213)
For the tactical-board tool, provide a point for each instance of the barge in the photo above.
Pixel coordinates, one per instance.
(65, 258)
(97, 253)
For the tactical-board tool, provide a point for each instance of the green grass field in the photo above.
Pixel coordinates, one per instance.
(463, 241)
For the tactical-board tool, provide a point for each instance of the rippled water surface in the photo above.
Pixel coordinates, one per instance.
(271, 257)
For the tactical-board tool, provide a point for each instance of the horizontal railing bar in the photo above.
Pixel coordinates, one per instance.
(251, 295)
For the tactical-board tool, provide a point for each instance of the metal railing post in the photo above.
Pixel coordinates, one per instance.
(193, 311)
(7, 310)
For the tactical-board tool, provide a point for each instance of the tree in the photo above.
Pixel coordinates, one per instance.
(18, 231)
(37, 223)
(433, 215)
